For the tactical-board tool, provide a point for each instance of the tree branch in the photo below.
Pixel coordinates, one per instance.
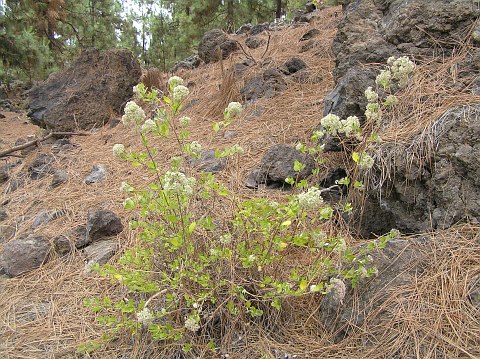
(37, 141)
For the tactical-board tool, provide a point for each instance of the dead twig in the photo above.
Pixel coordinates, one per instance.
(38, 140)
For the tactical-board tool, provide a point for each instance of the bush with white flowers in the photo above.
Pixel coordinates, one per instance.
(193, 259)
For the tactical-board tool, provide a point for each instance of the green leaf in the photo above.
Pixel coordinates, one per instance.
(191, 227)
(356, 157)
(298, 166)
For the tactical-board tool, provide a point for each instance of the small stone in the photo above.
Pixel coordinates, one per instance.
(47, 216)
(41, 166)
(4, 176)
(101, 224)
(310, 34)
(310, 44)
(59, 177)
(7, 232)
(25, 254)
(208, 162)
(253, 42)
(3, 214)
(98, 174)
(63, 245)
(100, 252)
(293, 65)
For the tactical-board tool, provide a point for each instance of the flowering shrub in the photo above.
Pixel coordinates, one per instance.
(191, 265)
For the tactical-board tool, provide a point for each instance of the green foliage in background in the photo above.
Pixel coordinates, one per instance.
(38, 36)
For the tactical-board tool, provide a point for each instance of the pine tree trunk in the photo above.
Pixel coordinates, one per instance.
(278, 11)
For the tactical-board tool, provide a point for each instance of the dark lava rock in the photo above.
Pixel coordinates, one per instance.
(208, 162)
(257, 29)
(266, 85)
(278, 164)
(242, 66)
(191, 62)
(371, 31)
(58, 178)
(310, 34)
(100, 252)
(3, 214)
(433, 192)
(85, 94)
(98, 174)
(310, 44)
(244, 29)
(25, 254)
(398, 264)
(63, 245)
(101, 224)
(293, 65)
(47, 216)
(253, 42)
(41, 166)
(216, 43)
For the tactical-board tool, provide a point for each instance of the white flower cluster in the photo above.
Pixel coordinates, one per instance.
(351, 127)
(145, 316)
(177, 182)
(174, 81)
(391, 100)
(184, 121)
(195, 149)
(233, 109)
(401, 69)
(149, 126)
(191, 324)
(133, 114)
(331, 123)
(125, 187)
(371, 95)
(180, 92)
(310, 199)
(384, 79)
(373, 113)
(118, 150)
(366, 161)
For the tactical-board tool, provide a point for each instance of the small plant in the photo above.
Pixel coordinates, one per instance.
(193, 266)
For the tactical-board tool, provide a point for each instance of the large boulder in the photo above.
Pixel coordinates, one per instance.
(434, 191)
(371, 31)
(216, 44)
(87, 93)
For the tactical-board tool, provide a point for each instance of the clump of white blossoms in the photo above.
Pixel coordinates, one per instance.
(351, 127)
(133, 114)
(177, 182)
(184, 121)
(401, 69)
(384, 79)
(180, 92)
(366, 161)
(125, 187)
(371, 95)
(118, 150)
(311, 199)
(149, 126)
(332, 124)
(391, 100)
(233, 109)
(145, 316)
(195, 149)
(191, 324)
(373, 112)
(174, 81)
